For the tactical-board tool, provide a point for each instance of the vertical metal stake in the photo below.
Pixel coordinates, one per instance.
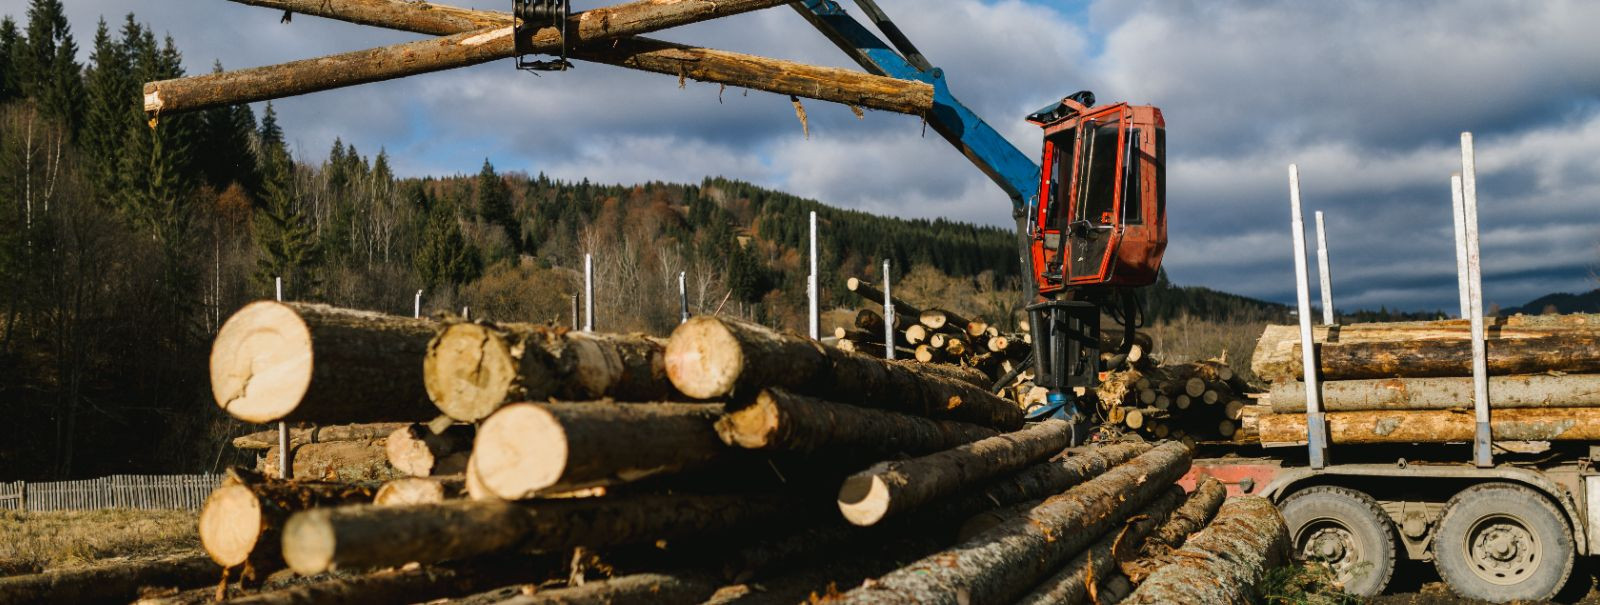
(574, 311)
(465, 311)
(888, 314)
(1463, 284)
(1324, 273)
(283, 427)
(683, 297)
(1316, 431)
(416, 305)
(588, 292)
(815, 320)
(1482, 455)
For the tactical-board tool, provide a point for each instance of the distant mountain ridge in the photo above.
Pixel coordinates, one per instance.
(1560, 302)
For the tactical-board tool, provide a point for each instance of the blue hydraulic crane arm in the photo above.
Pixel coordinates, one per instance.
(1007, 166)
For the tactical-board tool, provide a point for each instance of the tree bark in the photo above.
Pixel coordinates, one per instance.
(420, 490)
(303, 362)
(405, 585)
(457, 50)
(527, 449)
(641, 589)
(703, 64)
(1436, 358)
(710, 357)
(472, 369)
(1276, 347)
(872, 294)
(371, 536)
(414, 449)
(242, 519)
(872, 321)
(268, 439)
(888, 488)
(1001, 564)
(1530, 391)
(780, 421)
(1070, 586)
(1224, 562)
(112, 583)
(334, 461)
(1437, 426)
(1193, 516)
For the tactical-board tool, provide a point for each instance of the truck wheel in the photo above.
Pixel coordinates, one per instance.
(1502, 542)
(1345, 529)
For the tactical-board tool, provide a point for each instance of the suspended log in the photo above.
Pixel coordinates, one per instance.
(780, 421)
(414, 449)
(303, 362)
(1437, 426)
(712, 357)
(463, 49)
(640, 589)
(420, 490)
(940, 319)
(472, 369)
(119, 582)
(333, 461)
(1529, 391)
(268, 439)
(371, 536)
(702, 64)
(887, 488)
(242, 519)
(411, 584)
(1437, 358)
(1001, 564)
(526, 449)
(870, 293)
(1071, 585)
(1225, 561)
(1276, 346)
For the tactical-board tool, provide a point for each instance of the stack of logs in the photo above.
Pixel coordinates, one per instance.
(730, 463)
(1190, 402)
(1411, 382)
(932, 335)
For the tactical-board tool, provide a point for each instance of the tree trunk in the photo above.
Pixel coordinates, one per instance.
(268, 439)
(710, 357)
(947, 370)
(1276, 346)
(1435, 358)
(421, 490)
(302, 362)
(1070, 586)
(242, 518)
(872, 294)
(334, 461)
(472, 369)
(405, 585)
(423, 56)
(641, 589)
(527, 449)
(872, 321)
(887, 488)
(940, 319)
(1193, 516)
(703, 64)
(414, 449)
(373, 536)
(1530, 391)
(1437, 426)
(1224, 562)
(119, 582)
(868, 348)
(998, 566)
(780, 421)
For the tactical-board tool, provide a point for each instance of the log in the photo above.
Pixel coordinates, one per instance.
(1193, 516)
(1071, 584)
(978, 328)
(263, 440)
(411, 584)
(1276, 345)
(463, 49)
(1001, 564)
(1530, 391)
(1440, 358)
(940, 319)
(414, 449)
(472, 369)
(929, 354)
(1436, 426)
(1224, 562)
(371, 536)
(917, 334)
(119, 582)
(420, 490)
(243, 517)
(1234, 410)
(334, 461)
(303, 362)
(870, 293)
(640, 589)
(702, 64)
(780, 421)
(712, 357)
(474, 483)
(870, 349)
(872, 321)
(526, 449)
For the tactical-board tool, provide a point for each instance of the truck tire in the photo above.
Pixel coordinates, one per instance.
(1502, 542)
(1345, 529)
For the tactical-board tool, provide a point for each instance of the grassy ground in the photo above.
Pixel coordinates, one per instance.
(34, 541)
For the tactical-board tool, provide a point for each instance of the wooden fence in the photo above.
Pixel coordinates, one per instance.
(184, 492)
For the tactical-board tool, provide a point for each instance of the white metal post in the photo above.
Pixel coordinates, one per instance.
(1459, 215)
(283, 427)
(464, 312)
(278, 287)
(416, 305)
(574, 311)
(1316, 435)
(588, 293)
(1323, 272)
(1481, 443)
(888, 314)
(812, 314)
(683, 297)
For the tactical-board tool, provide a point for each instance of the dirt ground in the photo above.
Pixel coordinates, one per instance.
(1416, 583)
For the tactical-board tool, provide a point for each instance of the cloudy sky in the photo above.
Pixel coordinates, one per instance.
(1369, 98)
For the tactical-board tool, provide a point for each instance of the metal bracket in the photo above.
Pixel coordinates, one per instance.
(528, 15)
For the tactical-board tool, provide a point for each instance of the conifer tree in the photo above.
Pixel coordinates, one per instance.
(10, 45)
(48, 65)
(110, 90)
(223, 154)
(285, 236)
(444, 260)
(494, 201)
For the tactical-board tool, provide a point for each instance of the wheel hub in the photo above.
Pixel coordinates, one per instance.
(1502, 550)
(1333, 545)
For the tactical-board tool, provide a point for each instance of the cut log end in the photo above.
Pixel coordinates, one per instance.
(521, 450)
(261, 362)
(704, 358)
(230, 524)
(751, 427)
(864, 499)
(308, 542)
(469, 371)
(410, 490)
